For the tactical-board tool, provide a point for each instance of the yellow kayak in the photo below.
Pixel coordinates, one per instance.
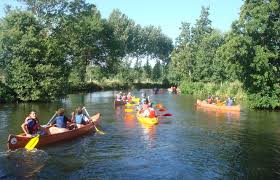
(147, 120)
(136, 100)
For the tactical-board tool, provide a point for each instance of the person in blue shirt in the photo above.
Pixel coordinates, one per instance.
(79, 118)
(60, 122)
(229, 102)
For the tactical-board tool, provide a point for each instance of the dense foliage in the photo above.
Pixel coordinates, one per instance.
(52, 46)
(249, 53)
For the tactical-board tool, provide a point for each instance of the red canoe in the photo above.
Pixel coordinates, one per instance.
(19, 141)
(221, 108)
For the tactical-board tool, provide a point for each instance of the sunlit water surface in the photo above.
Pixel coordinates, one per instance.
(193, 143)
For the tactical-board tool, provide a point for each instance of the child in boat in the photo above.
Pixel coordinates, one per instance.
(143, 98)
(124, 97)
(147, 110)
(31, 126)
(229, 102)
(79, 118)
(119, 97)
(60, 122)
(209, 100)
(129, 97)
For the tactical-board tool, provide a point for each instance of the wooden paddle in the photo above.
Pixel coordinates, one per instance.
(97, 130)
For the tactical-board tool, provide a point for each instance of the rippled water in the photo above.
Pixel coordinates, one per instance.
(193, 143)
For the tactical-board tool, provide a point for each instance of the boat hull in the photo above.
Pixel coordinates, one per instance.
(213, 106)
(19, 141)
(147, 120)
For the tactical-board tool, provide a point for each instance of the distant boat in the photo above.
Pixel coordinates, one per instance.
(119, 103)
(214, 106)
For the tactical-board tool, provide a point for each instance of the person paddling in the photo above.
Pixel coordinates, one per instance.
(60, 122)
(32, 127)
(79, 118)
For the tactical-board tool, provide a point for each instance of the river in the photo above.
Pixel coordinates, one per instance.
(193, 143)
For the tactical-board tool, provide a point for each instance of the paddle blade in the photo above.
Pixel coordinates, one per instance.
(167, 114)
(129, 105)
(99, 131)
(128, 110)
(159, 105)
(32, 143)
(162, 109)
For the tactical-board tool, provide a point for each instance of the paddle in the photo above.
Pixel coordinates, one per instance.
(167, 114)
(128, 110)
(50, 121)
(129, 105)
(97, 130)
(32, 143)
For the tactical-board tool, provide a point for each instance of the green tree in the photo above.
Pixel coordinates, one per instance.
(147, 70)
(34, 67)
(157, 72)
(253, 49)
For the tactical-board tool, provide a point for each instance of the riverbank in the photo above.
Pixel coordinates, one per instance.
(224, 90)
(8, 96)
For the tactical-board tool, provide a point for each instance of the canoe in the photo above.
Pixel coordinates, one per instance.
(147, 120)
(213, 106)
(119, 103)
(19, 141)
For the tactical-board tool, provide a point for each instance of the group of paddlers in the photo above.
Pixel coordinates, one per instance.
(59, 123)
(124, 97)
(217, 101)
(145, 105)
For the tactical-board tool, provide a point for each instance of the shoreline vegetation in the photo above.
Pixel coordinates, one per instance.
(51, 48)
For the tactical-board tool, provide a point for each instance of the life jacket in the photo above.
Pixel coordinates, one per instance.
(79, 119)
(124, 98)
(129, 97)
(230, 102)
(119, 98)
(152, 113)
(61, 121)
(32, 126)
(145, 106)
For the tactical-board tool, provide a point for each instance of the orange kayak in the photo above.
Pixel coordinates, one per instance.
(213, 106)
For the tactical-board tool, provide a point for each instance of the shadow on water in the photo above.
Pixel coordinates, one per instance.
(22, 164)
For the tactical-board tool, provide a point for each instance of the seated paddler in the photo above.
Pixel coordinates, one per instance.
(32, 127)
(60, 123)
(79, 118)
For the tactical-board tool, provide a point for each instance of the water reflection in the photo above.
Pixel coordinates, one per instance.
(228, 115)
(148, 134)
(129, 120)
(193, 143)
(22, 163)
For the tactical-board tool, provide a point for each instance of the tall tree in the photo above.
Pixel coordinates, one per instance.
(34, 67)
(253, 48)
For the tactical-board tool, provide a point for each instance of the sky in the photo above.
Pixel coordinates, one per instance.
(166, 14)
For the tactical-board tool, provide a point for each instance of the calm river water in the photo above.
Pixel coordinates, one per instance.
(193, 143)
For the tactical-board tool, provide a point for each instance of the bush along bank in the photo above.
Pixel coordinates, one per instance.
(203, 90)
